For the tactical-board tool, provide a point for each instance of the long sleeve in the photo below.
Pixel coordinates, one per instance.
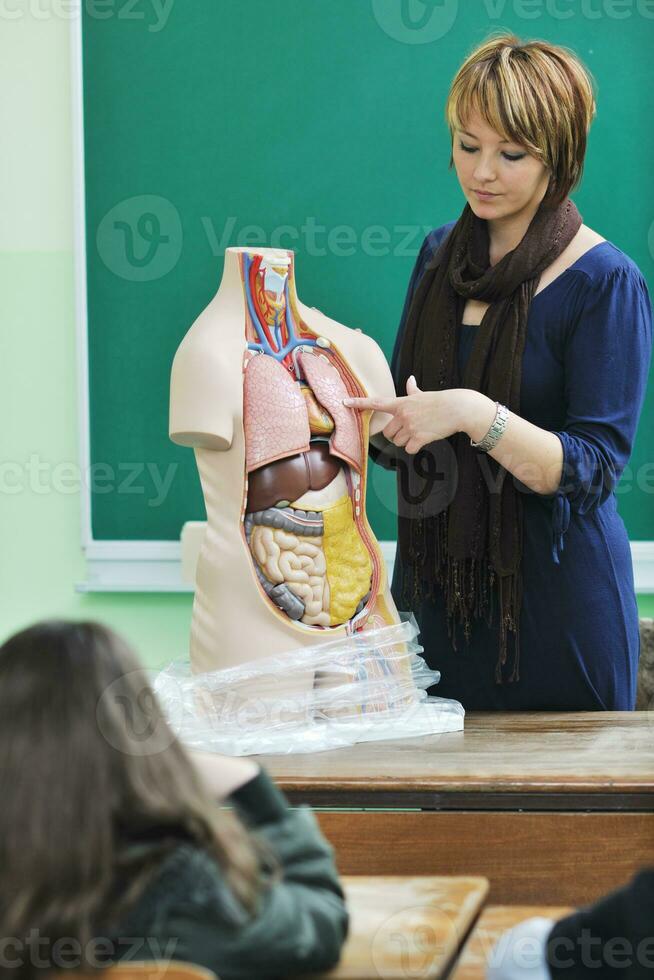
(606, 363)
(612, 938)
(520, 953)
(301, 922)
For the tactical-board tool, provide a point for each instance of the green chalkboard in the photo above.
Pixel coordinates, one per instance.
(315, 125)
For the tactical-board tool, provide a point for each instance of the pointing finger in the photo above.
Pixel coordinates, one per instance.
(376, 404)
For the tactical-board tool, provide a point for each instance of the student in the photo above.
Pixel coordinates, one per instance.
(614, 938)
(113, 845)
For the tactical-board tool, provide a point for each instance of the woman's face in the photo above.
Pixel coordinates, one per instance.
(484, 162)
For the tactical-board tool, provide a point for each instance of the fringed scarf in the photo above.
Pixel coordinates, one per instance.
(460, 520)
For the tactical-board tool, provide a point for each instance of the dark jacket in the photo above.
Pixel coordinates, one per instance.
(187, 912)
(614, 938)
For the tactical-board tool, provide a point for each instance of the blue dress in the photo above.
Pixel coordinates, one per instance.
(584, 376)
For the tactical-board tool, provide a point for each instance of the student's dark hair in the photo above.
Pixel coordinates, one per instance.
(87, 758)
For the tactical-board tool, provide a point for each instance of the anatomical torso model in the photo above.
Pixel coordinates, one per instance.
(288, 559)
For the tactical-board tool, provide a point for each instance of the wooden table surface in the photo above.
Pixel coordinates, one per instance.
(516, 760)
(407, 927)
(525, 799)
(495, 920)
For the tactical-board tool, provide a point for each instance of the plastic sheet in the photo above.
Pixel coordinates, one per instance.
(368, 686)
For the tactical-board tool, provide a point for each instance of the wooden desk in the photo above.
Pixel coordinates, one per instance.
(493, 921)
(407, 927)
(515, 797)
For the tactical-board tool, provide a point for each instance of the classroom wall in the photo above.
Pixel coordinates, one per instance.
(41, 559)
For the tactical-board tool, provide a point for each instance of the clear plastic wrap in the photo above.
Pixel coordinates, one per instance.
(368, 686)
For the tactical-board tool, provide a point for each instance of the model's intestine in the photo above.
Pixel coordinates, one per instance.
(297, 563)
(302, 517)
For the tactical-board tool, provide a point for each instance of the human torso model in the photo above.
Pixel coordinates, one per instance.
(288, 559)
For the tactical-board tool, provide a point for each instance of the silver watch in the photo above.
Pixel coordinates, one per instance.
(495, 432)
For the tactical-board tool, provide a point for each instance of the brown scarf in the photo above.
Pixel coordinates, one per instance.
(460, 520)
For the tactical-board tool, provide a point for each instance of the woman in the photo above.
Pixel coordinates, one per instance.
(112, 842)
(520, 364)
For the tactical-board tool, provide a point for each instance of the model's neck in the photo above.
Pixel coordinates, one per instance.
(275, 265)
(265, 281)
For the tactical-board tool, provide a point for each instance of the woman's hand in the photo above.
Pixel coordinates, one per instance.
(222, 774)
(420, 417)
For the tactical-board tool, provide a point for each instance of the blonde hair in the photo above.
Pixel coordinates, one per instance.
(536, 94)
